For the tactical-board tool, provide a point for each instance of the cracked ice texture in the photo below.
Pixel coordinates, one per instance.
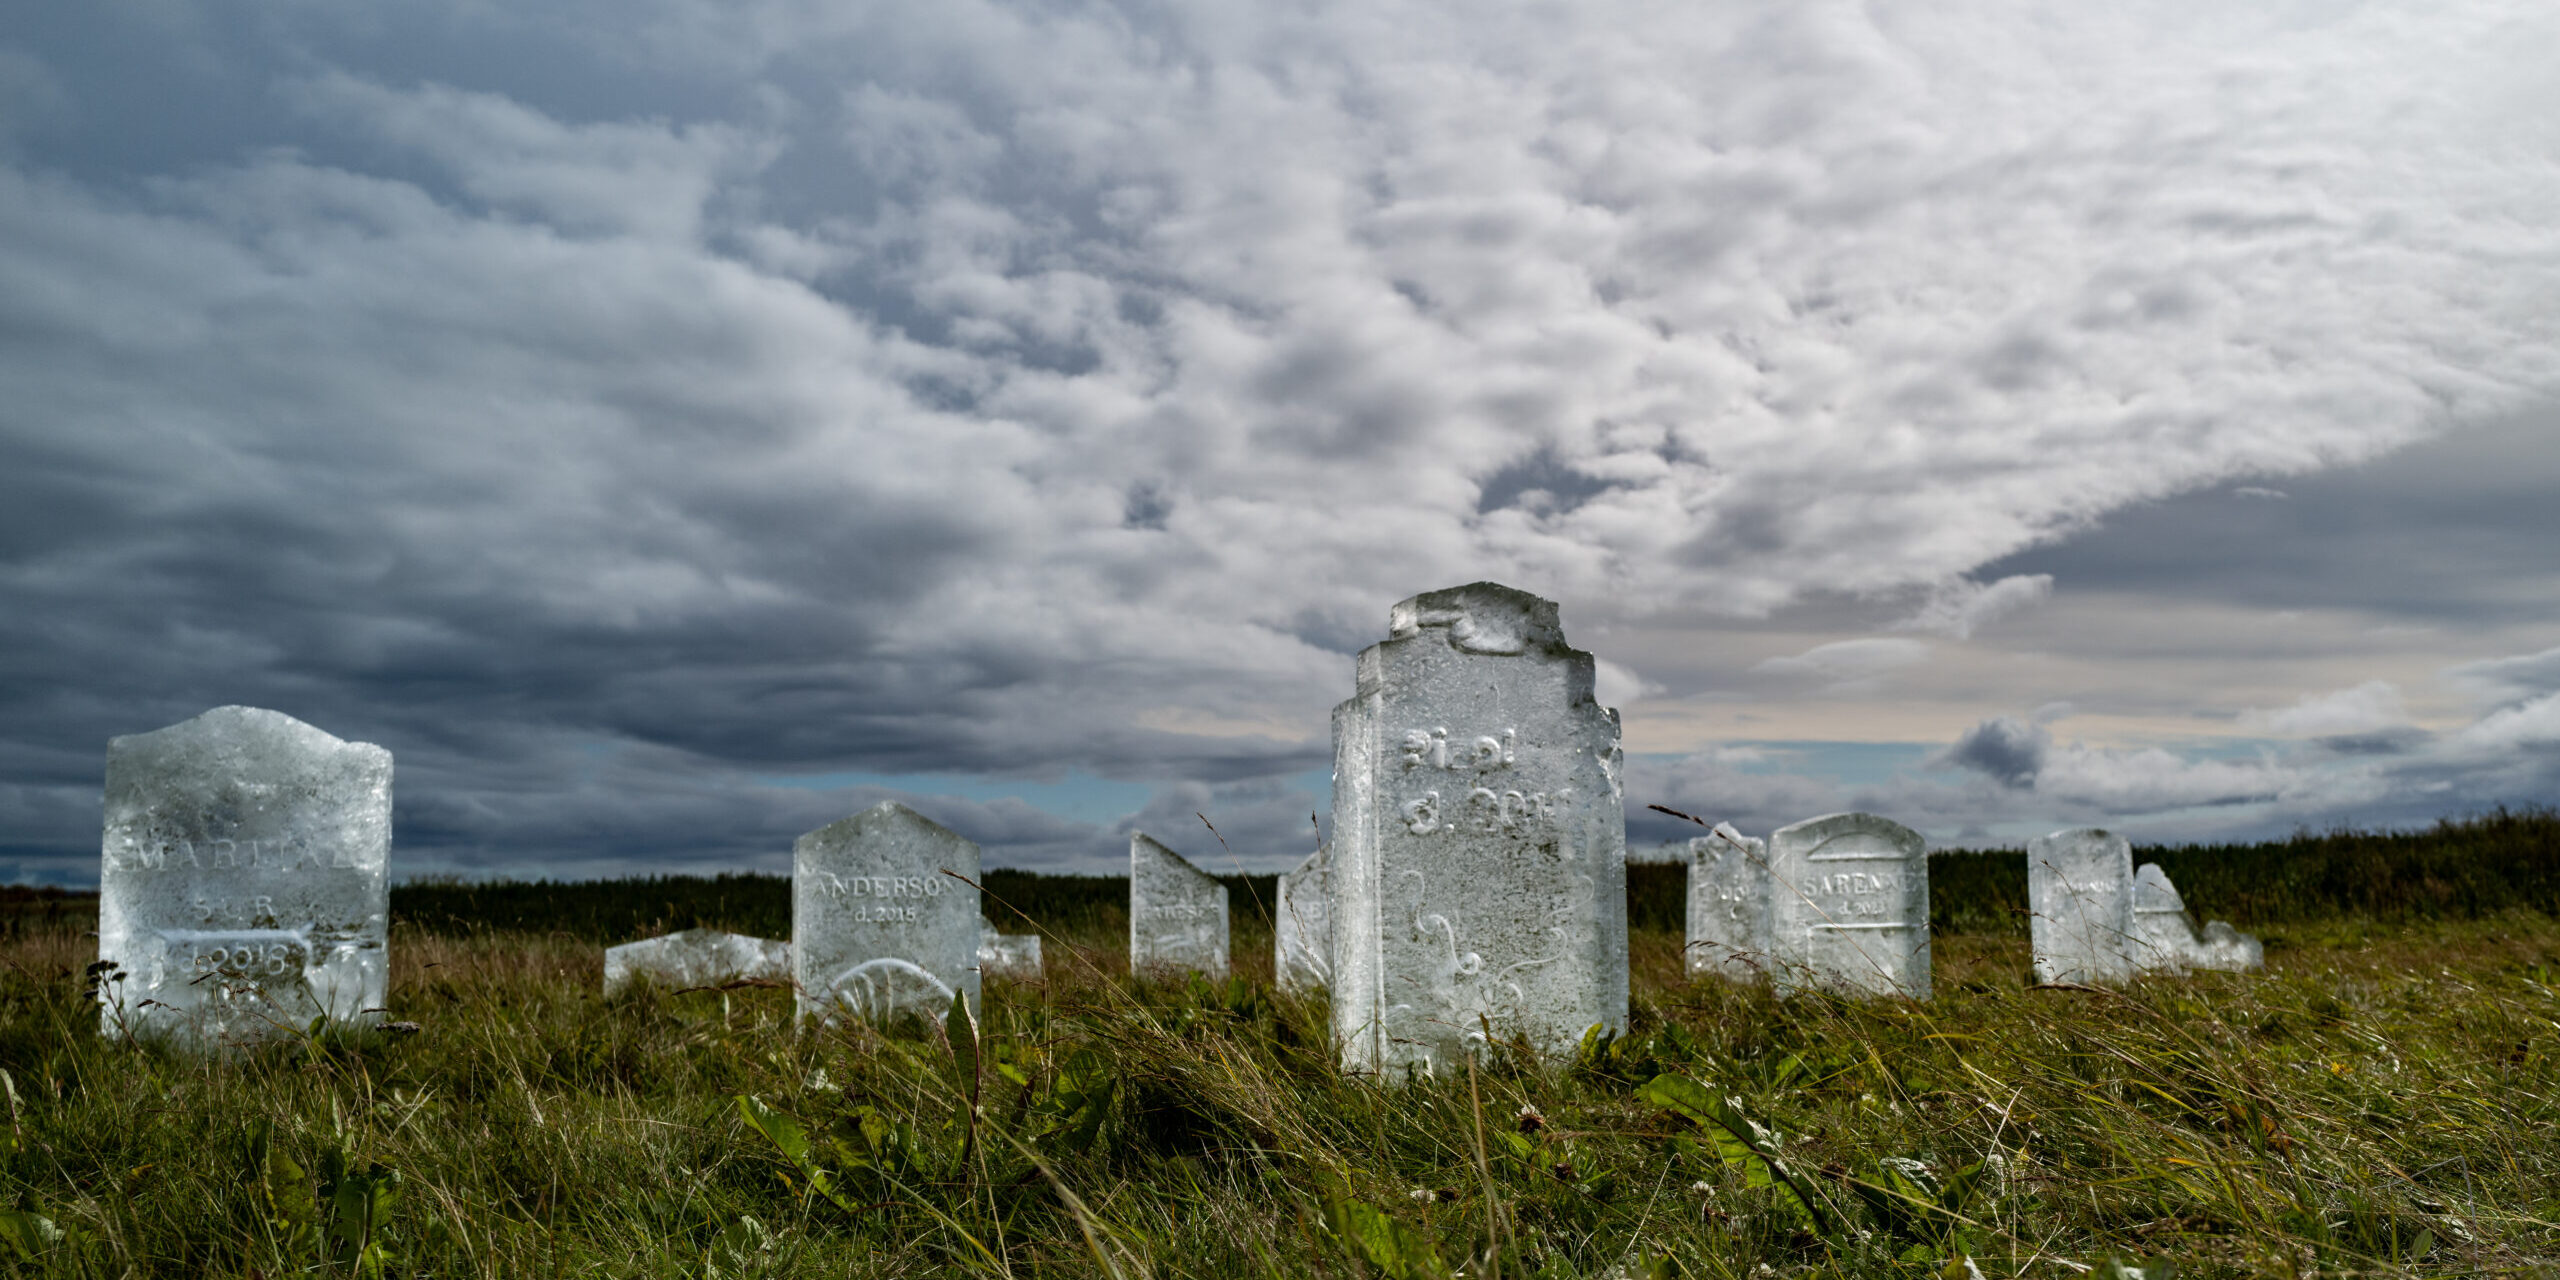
(696, 958)
(1177, 912)
(1849, 906)
(1302, 924)
(2080, 904)
(2166, 942)
(877, 929)
(1009, 955)
(1728, 905)
(241, 880)
(1479, 838)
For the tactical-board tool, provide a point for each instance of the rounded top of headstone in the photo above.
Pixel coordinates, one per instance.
(245, 728)
(1832, 826)
(2071, 838)
(1482, 617)
(886, 814)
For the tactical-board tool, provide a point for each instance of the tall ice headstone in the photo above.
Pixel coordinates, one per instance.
(1479, 838)
(241, 883)
(1728, 905)
(1302, 924)
(877, 928)
(2080, 906)
(1177, 912)
(1849, 906)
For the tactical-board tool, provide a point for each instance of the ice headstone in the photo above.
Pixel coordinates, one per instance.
(1479, 838)
(1849, 906)
(2165, 940)
(1009, 955)
(877, 928)
(1302, 925)
(1177, 912)
(2080, 906)
(241, 887)
(1728, 905)
(696, 958)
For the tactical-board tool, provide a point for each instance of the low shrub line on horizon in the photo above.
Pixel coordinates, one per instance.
(2458, 869)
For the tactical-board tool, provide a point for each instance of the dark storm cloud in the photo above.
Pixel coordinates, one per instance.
(2455, 530)
(608, 407)
(2007, 751)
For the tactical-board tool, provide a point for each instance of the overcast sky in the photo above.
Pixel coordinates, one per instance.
(669, 426)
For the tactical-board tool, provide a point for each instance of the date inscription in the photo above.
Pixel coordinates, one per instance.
(885, 914)
(247, 955)
(1484, 811)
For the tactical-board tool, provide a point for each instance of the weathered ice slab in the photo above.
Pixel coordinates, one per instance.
(2224, 947)
(877, 928)
(1849, 906)
(2080, 905)
(696, 958)
(1009, 955)
(1479, 838)
(1177, 912)
(1302, 924)
(2165, 940)
(1729, 905)
(241, 888)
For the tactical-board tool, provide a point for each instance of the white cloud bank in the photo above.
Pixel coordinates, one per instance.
(2367, 708)
(964, 380)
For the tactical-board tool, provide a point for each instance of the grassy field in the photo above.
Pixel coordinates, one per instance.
(2378, 1102)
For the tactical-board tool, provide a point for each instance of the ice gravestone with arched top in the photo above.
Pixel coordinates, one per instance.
(241, 882)
(2080, 904)
(877, 926)
(1479, 838)
(1177, 912)
(1849, 906)
(1728, 905)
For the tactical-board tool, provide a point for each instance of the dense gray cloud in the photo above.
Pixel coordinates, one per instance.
(611, 407)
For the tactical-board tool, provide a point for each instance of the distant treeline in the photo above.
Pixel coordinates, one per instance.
(2461, 868)
(619, 910)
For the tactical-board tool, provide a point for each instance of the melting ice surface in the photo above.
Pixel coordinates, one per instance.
(241, 880)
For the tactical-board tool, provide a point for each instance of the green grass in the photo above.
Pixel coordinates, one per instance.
(2378, 1102)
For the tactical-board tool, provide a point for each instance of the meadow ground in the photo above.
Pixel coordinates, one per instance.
(2378, 1102)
